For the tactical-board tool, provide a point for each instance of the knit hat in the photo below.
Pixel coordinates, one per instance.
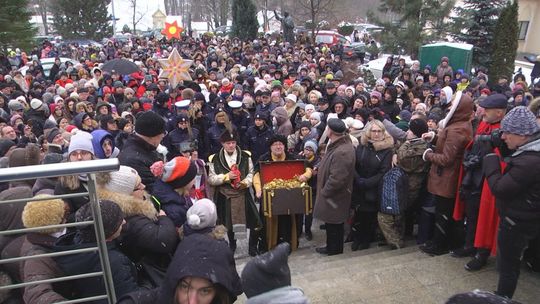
(43, 213)
(81, 141)
(291, 97)
(15, 105)
(28, 156)
(122, 181)
(149, 124)
(310, 107)
(315, 115)
(202, 214)
(267, 272)
(111, 214)
(337, 125)
(520, 121)
(405, 115)
(418, 127)
(312, 145)
(52, 134)
(178, 172)
(35, 103)
(376, 94)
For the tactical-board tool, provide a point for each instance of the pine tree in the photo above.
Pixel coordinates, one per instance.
(16, 31)
(82, 18)
(475, 24)
(505, 43)
(244, 24)
(417, 22)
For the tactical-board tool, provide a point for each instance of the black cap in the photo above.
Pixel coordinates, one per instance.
(494, 101)
(330, 85)
(337, 125)
(265, 93)
(182, 118)
(228, 136)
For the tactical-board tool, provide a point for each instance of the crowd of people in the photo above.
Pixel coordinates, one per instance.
(451, 153)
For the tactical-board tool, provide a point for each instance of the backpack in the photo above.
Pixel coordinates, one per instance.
(393, 191)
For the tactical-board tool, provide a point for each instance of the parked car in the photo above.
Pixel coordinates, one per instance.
(47, 64)
(354, 50)
(223, 30)
(82, 43)
(330, 38)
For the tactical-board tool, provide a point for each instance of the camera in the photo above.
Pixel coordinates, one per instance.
(495, 138)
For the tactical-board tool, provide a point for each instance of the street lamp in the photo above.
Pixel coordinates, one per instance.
(113, 18)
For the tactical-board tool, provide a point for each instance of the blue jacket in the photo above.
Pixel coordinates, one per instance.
(174, 205)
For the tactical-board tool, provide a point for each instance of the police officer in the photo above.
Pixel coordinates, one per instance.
(258, 136)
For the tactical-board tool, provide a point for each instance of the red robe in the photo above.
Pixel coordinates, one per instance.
(488, 218)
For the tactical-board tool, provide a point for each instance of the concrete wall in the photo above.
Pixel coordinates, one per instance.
(529, 10)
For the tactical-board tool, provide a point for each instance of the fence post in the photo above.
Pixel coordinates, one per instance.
(100, 238)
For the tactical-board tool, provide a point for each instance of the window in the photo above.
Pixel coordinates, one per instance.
(523, 27)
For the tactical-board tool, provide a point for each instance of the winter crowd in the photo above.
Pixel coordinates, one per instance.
(430, 154)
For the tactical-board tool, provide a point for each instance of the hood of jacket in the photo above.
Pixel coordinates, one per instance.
(201, 256)
(78, 120)
(98, 137)
(287, 294)
(281, 115)
(130, 205)
(386, 143)
(75, 263)
(460, 111)
(531, 146)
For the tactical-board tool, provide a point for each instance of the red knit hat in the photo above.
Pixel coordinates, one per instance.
(178, 172)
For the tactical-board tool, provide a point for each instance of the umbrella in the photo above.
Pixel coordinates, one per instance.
(120, 66)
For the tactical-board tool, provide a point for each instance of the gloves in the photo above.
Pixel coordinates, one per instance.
(428, 151)
(491, 164)
(359, 181)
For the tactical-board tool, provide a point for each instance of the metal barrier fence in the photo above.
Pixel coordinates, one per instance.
(55, 170)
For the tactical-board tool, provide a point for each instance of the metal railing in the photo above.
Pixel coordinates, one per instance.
(90, 168)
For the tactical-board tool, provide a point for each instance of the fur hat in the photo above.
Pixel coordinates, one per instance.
(228, 136)
(28, 156)
(149, 124)
(202, 214)
(81, 141)
(44, 213)
(520, 121)
(277, 138)
(111, 215)
(267, 271)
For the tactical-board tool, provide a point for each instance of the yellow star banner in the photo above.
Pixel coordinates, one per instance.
(175, 68)
(172, 30)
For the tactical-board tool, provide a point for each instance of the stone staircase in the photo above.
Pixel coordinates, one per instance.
(379, 275)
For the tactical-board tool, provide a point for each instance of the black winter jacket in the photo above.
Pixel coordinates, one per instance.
(517, 189)
(257, 139)
(139, 155)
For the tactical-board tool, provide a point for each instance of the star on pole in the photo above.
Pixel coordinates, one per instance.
(172, 30)
(175, 68)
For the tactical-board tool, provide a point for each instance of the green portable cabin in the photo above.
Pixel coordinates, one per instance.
(459, 55)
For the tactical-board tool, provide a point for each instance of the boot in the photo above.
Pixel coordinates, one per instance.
(433, 249)
(463, 252)
(478, 262)
(253, 243)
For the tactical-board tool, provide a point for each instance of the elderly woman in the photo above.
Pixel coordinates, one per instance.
(373, 160)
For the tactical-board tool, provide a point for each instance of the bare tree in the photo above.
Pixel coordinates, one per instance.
(40, 7)
(317, 10)
(136, 16)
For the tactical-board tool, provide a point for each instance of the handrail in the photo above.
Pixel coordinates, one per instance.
(34, 229)
(47, 255)
(89, 169)
(53, 170)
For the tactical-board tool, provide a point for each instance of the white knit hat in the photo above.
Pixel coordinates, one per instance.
(202, 214)
(123, 181)
(35, 103)
(81, 141)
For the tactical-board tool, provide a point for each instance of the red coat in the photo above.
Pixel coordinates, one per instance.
(488, 218)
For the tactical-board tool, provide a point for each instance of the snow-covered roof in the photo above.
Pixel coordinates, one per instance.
(463, 46)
